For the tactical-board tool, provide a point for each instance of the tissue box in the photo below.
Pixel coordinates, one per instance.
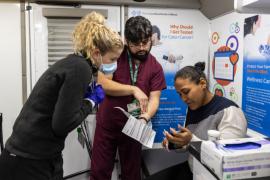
(237, 158)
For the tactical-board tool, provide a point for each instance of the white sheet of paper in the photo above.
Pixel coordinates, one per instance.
(148, 137)
(138, 130)
(128, 126)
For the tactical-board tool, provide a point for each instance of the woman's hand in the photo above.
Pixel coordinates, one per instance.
(165, 143)
(180, 138)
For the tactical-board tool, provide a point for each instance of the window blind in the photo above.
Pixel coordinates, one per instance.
(60, 38)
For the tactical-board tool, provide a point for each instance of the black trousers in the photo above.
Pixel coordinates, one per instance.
(18, 168)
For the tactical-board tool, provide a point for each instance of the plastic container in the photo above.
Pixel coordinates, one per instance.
(213, 135)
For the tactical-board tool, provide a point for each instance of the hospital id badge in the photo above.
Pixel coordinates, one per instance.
(134, 108)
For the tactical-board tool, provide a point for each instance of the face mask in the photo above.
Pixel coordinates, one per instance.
(108, 68)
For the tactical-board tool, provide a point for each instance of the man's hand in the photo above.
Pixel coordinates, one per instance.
(171, 58)
(145, 118)
(142, 98)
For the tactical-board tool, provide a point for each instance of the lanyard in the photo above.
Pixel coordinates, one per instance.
(134, 74)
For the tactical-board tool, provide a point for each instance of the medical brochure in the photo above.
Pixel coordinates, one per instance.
(138, 130)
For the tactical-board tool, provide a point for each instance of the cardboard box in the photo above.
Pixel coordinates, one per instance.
(237, 158)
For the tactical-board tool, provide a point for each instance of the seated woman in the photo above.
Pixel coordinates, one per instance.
(206, 111)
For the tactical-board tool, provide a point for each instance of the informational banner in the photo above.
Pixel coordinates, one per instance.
(180, 38)
(256, 73)
(226, 57)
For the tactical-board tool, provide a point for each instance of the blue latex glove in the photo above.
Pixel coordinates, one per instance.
(95, 93)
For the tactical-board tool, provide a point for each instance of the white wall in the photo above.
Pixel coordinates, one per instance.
(10, 65)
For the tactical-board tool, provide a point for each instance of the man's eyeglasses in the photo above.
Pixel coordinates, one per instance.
(138, 45)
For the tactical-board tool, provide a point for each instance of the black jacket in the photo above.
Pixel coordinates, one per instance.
(55, 107)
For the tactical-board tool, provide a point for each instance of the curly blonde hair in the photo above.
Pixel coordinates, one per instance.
(91, 33)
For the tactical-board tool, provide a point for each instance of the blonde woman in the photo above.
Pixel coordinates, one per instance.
(61, 99)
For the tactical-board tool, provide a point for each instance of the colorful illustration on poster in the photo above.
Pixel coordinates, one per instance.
(215, 38)
(224, 64)
(219, 90)
(233, 95)
(234, 28)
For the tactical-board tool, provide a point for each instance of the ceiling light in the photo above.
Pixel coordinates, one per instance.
(235, 4)
(247, 2)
